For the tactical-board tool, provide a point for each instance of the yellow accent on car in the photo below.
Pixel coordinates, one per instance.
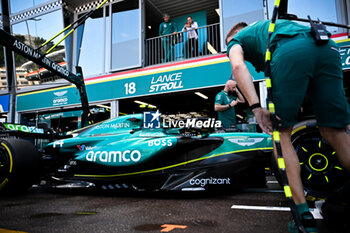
(326, 177)
(2, 230)
(10, 156)
(86, 213)
(3, 183)
(11, 165)
(174, 165)
(298, 129)
(318, 169)
(310, 198)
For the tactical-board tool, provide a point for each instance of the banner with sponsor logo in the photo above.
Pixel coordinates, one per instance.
(177, 77)
(200, 73)
(344, 49)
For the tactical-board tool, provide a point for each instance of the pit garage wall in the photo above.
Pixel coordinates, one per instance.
(186, 75)
(191, 74)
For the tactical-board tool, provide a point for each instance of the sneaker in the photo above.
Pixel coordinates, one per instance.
(292, 227)
(308, 222)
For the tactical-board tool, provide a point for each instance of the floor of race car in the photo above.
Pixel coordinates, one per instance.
(251, 211)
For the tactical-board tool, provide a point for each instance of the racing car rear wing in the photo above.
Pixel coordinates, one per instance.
(25, 131)
(21, 134)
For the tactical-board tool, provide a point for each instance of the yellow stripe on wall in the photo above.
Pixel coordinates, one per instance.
(127, 77)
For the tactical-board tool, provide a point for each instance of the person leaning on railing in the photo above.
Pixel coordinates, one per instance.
(167, 27)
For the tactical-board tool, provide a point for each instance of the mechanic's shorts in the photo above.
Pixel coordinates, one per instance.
(298, 65)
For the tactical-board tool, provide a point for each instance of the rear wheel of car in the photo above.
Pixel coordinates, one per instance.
(321, 172)
(19, 165)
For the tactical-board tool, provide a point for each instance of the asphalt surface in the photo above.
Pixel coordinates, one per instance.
(38, 211)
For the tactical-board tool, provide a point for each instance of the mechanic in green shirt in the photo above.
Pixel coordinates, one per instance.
(166, 28)
(297, 64)
(225, 101)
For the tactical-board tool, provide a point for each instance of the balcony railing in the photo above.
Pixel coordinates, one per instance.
(181, 46)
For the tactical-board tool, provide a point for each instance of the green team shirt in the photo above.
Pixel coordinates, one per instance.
(227, 117)
(166, 28)
(253, 39)
(294, 64)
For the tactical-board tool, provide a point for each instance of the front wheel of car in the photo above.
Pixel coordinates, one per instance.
(19, 165)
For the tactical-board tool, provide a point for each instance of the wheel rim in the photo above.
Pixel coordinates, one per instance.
(321, 172)
(318, 162)
(5, 164)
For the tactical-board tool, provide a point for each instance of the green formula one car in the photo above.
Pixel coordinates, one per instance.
(123, 154)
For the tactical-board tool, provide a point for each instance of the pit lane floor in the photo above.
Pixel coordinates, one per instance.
(37, 211)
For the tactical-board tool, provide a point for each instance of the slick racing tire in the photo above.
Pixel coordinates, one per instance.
(321, 172)
(19, 165)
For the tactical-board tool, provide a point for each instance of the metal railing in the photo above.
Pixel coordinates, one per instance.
(180, 46)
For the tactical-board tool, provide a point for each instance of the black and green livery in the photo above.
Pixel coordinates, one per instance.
(120, 154)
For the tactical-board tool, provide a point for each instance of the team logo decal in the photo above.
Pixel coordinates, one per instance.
(246, 142)
(81, 147)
